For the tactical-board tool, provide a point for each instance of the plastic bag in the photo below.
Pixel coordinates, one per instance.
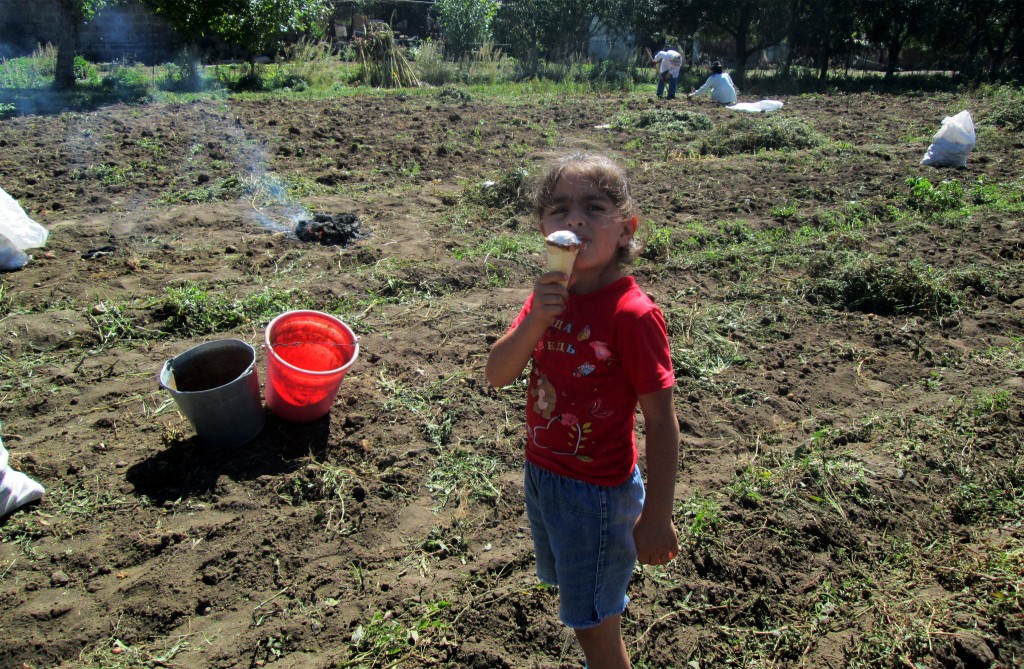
(11, 257)
(16, 226)
(952, 143)
(759, 106)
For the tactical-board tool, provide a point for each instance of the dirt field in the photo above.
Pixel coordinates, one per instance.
(850, 490)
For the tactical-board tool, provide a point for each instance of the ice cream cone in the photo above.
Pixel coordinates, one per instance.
(562, 249)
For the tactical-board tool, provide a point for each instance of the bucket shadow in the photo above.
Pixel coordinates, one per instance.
(190, 468)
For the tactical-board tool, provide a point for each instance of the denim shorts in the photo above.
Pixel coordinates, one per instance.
(583, 539)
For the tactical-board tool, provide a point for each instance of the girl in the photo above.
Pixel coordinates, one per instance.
(598, 349)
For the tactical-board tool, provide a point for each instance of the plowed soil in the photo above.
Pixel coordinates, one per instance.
(337, 543)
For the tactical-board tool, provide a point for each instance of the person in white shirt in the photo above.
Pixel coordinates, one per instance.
(669, 62)
(720, 84)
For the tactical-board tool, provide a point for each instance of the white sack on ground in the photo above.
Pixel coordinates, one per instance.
(16, 226)
(952, 143)
(759, 106)
(11, 257)
(16, 489)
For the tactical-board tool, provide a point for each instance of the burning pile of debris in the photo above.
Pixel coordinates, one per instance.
(330, 229)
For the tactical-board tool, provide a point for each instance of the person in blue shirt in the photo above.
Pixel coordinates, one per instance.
(723, 91)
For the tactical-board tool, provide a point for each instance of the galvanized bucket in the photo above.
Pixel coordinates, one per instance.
(217, 388)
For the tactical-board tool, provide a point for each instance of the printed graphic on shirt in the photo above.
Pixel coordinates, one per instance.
(565, 432)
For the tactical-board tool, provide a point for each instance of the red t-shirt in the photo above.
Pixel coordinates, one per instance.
(607, 347)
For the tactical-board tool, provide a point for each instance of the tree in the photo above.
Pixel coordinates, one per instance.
(73, 13)
(821, 29)
(561, 28)
(892, 23)
(464, 24)
(259, 26)
(753, 25)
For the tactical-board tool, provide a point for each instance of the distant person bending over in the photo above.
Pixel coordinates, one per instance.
(720, 84)
(669, 63)
(596, 350)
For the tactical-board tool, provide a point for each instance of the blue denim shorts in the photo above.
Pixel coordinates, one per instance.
(583, 539)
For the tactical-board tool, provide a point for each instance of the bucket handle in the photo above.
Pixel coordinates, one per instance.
(311, 343)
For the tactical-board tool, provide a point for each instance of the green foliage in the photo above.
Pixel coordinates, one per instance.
(465, 24)
(510, 190)
(262, 25)
(750, 134)
(192, 311)
(311, 62)
(663, 120)
(931, 199)
(453, 94)
(185, 74)
(1007, 109)
(464, 475)
(873, 285)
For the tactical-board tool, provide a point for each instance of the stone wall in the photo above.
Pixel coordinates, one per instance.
(128, 32)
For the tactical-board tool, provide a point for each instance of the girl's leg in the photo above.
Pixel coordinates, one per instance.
(603, 645)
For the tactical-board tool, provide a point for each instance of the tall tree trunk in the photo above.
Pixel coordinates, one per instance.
(742, 35)
(824, 55)
(67, 46)
(892, 56)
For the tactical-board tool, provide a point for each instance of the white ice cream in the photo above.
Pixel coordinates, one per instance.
(562, 249)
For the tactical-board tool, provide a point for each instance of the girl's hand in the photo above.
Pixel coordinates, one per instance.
(656, 542)
(549, 297)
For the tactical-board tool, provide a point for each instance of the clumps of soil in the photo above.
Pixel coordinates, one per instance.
(330, 229)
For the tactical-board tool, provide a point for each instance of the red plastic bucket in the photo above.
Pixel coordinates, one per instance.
(308, 353)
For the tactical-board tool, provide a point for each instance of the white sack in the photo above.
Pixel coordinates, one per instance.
(11, 257)
(16, 489)
(760, 106)
(952, 143)
(16, 226)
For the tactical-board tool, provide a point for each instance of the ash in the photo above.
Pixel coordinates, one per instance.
(330, 229)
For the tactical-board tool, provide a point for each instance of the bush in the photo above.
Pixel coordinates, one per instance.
(85, 72)
(185, 74)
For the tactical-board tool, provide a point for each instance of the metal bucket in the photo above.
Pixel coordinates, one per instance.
(217, 388)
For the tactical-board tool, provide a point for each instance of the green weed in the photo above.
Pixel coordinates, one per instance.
(508, 191)
(868, 284)
(663, 121)
(464, 475)
(190, 310)
(935, 200)
(701, 518)
(430, 404)
(700, 351)
(1007, 109)
(390, 640)
(750, 135)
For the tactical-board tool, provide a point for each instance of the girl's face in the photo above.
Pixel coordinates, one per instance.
(577, 204)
